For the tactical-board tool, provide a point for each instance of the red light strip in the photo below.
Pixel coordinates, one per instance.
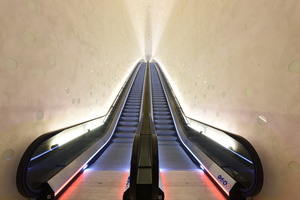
(164, 184)
(68, 181)
(205, 168)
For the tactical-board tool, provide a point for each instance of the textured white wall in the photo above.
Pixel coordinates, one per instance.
(61, 63)
(236, 65)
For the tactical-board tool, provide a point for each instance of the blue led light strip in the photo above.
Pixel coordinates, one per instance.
(249, 161)
(83, 167)
(43, 153)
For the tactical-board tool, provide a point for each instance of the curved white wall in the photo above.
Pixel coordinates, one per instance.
(236, 65)
(61, 63)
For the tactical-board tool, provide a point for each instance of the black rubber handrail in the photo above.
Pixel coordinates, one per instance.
(145, 141)
(21, 178)
(156, 192)
(132, 192)
(257, 184)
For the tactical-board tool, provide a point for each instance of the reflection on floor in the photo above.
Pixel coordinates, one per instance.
(97, 184)
(189, 184)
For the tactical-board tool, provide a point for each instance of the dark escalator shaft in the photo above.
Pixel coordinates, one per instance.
(144, 170)
(116, 156)
(53, 160)
(129, 119)
(230, 156)
(171, 155)
(162, 117)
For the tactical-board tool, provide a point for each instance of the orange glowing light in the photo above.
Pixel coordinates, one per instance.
(212, 186)
(68, 193)
(68, 181)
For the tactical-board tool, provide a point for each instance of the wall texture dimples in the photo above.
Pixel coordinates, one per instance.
(50, 64)
(233, 64)
(250, 51)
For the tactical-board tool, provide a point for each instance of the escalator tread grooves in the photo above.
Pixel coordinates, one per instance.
(163, 122)
(127, 125)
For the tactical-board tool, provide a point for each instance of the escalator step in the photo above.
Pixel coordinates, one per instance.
(166, 132)
(160, 103)
(136, 106)
(133, 101)
(124, 134)
(166, 138)
(164, 127)
(161, 109)
(125, 118)
(132, 104)
(160, 106)
(122, 140)
(127, 123)
(131, 110)
(126, 128)
(135, 93)
(162, 113)
(163, 121)
(126, 114)
(159, 100)
(160, 117)
(163, 142)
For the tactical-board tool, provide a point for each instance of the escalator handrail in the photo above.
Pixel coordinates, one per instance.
(155, 161)
(257, 184)
(135, 156)
(134, 163)
(134, 166)
(21, 179)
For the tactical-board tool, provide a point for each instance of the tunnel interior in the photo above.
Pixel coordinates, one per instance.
(233, 65)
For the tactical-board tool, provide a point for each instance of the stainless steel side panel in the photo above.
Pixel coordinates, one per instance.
(62, 178)
(221, 177)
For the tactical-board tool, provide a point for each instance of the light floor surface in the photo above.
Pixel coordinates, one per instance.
(97, 185)
(189, 184)
(110, 185)
(106, 178)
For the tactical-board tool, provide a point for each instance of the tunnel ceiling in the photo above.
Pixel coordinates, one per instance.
(149, 19)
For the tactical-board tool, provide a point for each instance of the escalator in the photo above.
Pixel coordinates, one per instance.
(117, 154)
(54, 160)
(182, 178)
(171, 155)
(192, 164)
(146, 124)
(187, 148)
(108, 174)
